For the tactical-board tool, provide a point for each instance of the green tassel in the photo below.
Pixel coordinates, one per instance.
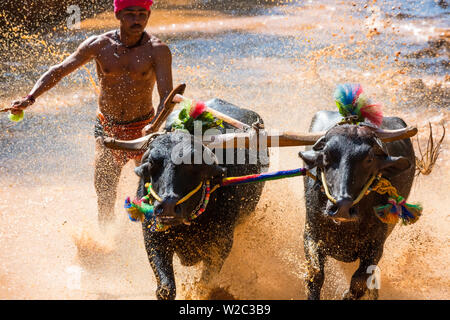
(341, 109)
(398, 208)
(411, 213)
(387, 213)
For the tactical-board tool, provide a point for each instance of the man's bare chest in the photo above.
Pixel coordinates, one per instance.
(116, 61)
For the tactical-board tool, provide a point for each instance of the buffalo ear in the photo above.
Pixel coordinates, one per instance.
(314, 157)
(142, 170)
(393, 166)
(311, 158)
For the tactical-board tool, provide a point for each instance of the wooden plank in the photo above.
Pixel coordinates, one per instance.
(252, 140)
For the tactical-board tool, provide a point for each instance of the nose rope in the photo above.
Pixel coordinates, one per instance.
(184, 199)
(390, 213)
(233, 181)
(143, 209)
(361, 195)
(139, 210)
(190, 194)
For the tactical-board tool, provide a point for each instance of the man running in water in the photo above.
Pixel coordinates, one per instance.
(129, 61)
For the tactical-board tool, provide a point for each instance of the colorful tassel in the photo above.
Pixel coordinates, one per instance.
(398, 209)
(197, 109)
(373, 113)
(138, 210)
(351, 101)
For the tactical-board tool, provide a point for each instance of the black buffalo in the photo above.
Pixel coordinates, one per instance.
(209, 237)
(349, 155)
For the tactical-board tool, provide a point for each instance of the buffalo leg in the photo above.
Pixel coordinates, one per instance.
(315, 259)
(358, 284)
(214, 261)
(161, 261)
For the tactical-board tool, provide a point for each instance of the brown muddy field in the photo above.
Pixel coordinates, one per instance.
(282, 61)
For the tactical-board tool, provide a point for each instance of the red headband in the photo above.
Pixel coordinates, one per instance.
(122, 4)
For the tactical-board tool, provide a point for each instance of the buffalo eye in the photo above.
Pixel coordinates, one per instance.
(369, 159)
(328, 157)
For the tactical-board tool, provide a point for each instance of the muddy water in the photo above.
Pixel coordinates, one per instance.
(282, 61)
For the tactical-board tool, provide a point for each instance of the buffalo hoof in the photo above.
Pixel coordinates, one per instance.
(348, 296)
(367, 295)
(220, 293)
(165, 293)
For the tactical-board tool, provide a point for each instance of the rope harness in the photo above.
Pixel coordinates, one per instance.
(143, 209)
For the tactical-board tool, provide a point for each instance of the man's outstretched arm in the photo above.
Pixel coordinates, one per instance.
(84, 53)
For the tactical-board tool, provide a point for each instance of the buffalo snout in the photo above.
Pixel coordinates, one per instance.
(167, 211)
(342, 210)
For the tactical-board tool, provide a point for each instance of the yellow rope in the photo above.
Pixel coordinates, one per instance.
(325, 188)
(360, 196)
(185, 198)
(364, 190)
(217, 186)
(384, 186)
(152, 192)
(190, 194)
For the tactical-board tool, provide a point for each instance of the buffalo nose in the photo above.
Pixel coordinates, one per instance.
(168, 208)
(344, 204)
(341, 209)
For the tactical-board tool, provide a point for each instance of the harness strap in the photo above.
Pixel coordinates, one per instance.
(190, 194)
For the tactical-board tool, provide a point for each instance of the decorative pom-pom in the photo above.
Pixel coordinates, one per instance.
(351, 101)
(197, 109)
(398, 209)
(373, 113)
(16, 117)
(138, 210)
(133, 213)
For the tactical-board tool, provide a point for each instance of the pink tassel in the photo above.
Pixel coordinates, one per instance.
(357, 90)
(373, 113)
(197, 109)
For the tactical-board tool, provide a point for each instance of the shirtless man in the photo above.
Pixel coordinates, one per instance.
(129, 62)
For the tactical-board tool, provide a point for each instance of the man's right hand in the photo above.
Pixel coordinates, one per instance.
(21, 104)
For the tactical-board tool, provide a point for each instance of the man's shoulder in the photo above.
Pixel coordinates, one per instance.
(156, 43)
(104, 38)
(159, 50)
(97, 41)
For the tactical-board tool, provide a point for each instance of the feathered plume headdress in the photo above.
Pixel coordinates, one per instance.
(351, 101)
